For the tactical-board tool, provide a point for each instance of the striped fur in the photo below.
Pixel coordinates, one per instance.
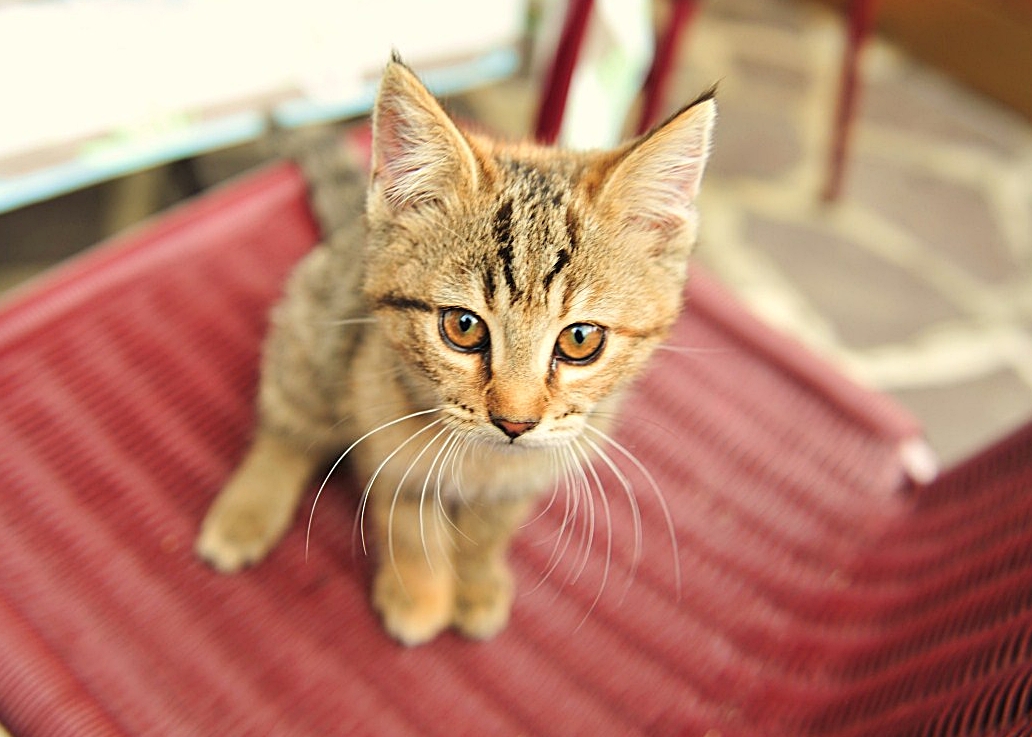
(521, 240)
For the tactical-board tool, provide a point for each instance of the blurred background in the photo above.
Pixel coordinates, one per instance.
(916, 278)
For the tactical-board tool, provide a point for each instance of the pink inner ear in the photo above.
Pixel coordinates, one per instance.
(661, 200)
(418, 155)
(656, 185)
(389, 144)
(690, 173)
(400, 160)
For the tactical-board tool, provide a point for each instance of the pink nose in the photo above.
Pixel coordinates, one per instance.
(513, 429)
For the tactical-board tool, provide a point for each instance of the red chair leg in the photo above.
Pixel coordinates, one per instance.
(861, 21)
(682, 13)
(557, 84)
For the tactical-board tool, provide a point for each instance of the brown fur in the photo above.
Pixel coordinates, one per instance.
(457, 445)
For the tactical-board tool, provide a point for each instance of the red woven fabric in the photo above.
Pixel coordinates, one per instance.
(818, 594)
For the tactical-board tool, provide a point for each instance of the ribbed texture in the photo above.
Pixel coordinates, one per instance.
(818, 594)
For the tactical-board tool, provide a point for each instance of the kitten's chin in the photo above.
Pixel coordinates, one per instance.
(528, 442)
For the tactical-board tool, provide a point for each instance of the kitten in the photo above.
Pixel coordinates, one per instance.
(476, 324)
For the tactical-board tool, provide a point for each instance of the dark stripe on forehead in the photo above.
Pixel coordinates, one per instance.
(504, 236)
(561, 259)
(401, 302)
(506, 255)
(572, 229)
(489, 285)
(503, 224)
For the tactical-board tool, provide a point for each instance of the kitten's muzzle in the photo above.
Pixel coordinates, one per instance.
(513, 429)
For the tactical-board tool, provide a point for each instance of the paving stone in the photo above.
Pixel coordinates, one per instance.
(963, 418)
(951, 218)
(771, 82)
(761, 144)
(921, 102)
(868, 301)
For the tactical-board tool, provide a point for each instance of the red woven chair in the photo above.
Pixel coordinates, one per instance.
(821, 592)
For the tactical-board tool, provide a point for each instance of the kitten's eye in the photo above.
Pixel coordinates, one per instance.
(463, 330)
(580, 343)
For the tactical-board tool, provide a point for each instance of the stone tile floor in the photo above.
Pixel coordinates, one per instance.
(917, 282)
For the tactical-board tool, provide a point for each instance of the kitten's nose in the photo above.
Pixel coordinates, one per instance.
(513, 429)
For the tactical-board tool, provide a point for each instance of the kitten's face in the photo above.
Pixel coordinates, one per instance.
(525, 285)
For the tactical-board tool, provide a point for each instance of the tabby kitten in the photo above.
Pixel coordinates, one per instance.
(463, 343)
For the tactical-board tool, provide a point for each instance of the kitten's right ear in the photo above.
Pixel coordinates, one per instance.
(419, 155)
(654, 184)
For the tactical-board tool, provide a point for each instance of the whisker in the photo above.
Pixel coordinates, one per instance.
(609, 535)
(553, 453)
(340, 459)
(457, 440)
(397, 494)
(581, 493)
(667, 516)
(458, 461)
(370, 407)
(582, 461)
(350, 321)
(448, 453)
(626, 418)
(404, 477)
(569, 514)
(691, 352)
(422, 497)
(631, 502)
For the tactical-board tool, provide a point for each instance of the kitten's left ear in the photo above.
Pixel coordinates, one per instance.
(654, 184)
(419, 155)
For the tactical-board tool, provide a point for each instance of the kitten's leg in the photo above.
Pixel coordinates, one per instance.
(484, 584)
(414, 584)
(255, 508)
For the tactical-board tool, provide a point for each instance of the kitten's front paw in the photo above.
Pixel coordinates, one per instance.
(415, 606)
(483, 601)
(256, 507)
(235, 535)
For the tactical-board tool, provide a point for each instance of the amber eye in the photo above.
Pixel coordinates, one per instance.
(463, 330)
(580, 342)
